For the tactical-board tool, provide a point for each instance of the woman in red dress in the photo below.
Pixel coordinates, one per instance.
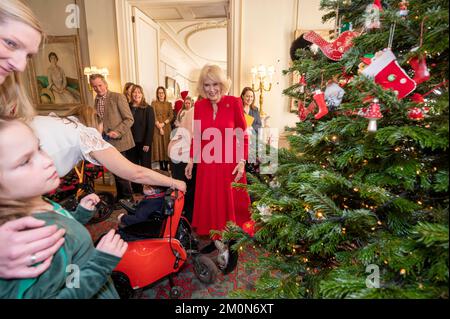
(220, 149)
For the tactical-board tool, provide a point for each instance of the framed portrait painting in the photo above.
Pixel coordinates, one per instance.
(177, 90)
(170, 87)
(55, 74)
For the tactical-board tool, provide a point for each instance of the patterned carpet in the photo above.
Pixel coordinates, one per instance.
(191, 287)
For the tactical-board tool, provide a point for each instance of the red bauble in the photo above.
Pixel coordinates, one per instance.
(421, 72)
(417, 98)
(415, 113)
(249, 228)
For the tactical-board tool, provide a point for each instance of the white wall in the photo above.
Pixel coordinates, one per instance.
(177, 65)
(52, 15)
(98, 33)
(267, 33)
(102, 35)
(185, 80)
(310, 17)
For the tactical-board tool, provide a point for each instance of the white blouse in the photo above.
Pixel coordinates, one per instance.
(67, 142)
(180, 141)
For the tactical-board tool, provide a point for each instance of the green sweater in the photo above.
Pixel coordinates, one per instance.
(78, 252)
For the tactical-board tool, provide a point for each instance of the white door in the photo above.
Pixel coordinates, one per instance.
(146, 44)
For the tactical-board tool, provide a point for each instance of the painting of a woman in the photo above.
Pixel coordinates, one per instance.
(57, 83)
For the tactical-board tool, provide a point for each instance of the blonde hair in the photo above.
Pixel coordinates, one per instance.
(180, 116)
(216, 74)
(14, 100)
(12, 209)
(86, 114)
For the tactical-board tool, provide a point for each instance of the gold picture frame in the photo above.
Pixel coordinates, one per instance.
(56, 77)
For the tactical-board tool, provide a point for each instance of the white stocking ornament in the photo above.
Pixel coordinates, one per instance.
(386, 71)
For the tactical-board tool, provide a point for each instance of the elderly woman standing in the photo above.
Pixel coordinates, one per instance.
(220, 149)
(161, 137)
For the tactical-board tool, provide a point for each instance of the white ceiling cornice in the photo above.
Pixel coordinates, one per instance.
(184, 23)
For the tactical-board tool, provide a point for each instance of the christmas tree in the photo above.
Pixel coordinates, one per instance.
(358, 207)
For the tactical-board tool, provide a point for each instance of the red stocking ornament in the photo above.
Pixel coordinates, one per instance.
(332, 50)
(386, 71)
(302, 112)
(319, 98)
(311, 107)
(417, 98)
(421, 73)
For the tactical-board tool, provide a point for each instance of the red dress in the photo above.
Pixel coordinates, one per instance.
(217, 148)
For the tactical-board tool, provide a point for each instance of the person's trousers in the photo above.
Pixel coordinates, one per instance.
(164, 165)
(139, 157)
(178, 173)
(123, 186)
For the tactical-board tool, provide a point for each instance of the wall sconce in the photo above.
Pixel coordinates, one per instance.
(88, 71)
(260, 74)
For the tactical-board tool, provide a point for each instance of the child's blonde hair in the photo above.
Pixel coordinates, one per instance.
(86, 114)
(14, 100)
(188, 98)
(12, 209)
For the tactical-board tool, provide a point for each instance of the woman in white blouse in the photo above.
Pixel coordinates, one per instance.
(20, 38)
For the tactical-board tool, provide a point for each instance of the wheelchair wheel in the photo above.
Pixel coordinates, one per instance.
(104, 208)
(175, 292)
(70, 203)
(122, 284)
(184, 235)
(205, 269)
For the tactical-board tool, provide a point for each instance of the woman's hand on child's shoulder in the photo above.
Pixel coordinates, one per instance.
(90, 201)
(112, 244)
(24, 242)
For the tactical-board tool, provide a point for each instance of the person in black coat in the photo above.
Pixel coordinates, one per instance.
(142, 129)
